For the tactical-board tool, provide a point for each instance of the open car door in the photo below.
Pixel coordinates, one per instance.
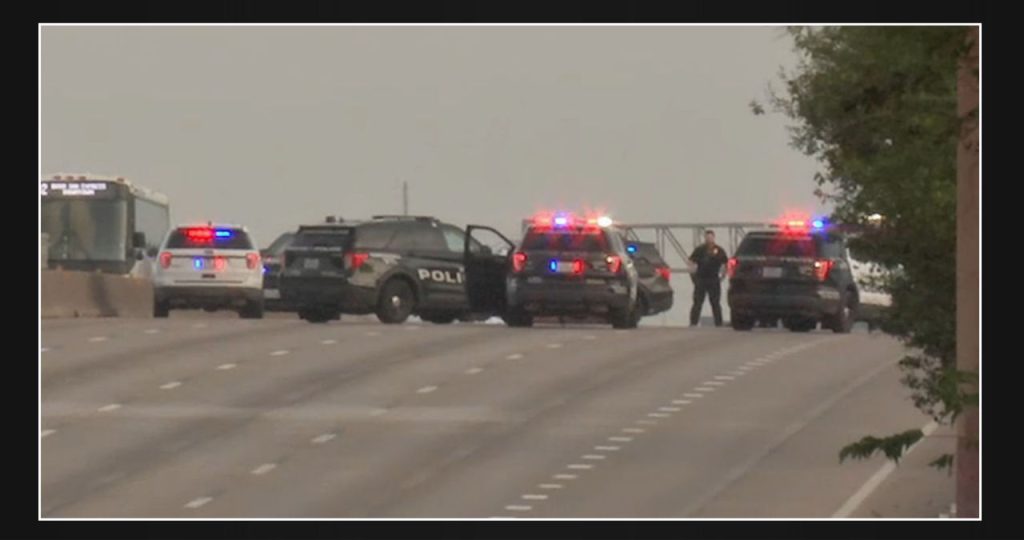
(486, 254)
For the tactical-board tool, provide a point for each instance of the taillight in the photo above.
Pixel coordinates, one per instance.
(252, 260)
(614, 263)
(821, 269)
(664, 272)
(578, 266)
(165, 259)
(730, 268)
(518, 261)
(219, 263)
(355, 260)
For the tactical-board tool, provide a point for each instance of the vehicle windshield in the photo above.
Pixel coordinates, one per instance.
(85, 229)
(780, 245)
(333, 238)
(565, 241)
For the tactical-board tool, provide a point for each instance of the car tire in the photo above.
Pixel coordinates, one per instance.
(842, 322)
(625, 318)
(439, 318)
(396, 302)
(742, 324)
(252, 310)
(316, 316)
(161, 309)
(517, 318)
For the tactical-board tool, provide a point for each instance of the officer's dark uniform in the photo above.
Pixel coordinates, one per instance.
(706, 281)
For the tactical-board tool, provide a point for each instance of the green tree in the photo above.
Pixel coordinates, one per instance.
(877, 106)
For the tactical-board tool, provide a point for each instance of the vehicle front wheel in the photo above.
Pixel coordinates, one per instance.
(842, 322)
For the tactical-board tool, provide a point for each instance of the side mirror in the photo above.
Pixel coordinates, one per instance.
(152, 251)
(139, 240)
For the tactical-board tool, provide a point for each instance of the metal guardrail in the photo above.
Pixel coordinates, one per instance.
(665, 236)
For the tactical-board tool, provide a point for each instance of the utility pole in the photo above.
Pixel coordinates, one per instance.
(405, 198)
(967, 262)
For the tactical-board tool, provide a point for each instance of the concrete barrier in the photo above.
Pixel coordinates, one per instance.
(88, 294)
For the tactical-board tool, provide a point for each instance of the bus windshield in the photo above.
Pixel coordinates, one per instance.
(85, 229)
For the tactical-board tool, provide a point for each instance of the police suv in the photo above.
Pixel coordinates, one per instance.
(798, 272)
(391, 266)
(568, 266)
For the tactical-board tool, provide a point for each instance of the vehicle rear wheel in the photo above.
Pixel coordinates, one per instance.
(315, 315)
(160, 309)
(396, 302)
(842, 322)
(625, 318)
(252, 310)
(742, 323)
(517, 318)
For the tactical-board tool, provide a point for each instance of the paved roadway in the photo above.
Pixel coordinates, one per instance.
(210, 416)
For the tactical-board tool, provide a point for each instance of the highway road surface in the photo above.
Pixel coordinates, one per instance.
(210, 416)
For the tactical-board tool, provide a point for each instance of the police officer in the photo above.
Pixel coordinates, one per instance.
(707, 269)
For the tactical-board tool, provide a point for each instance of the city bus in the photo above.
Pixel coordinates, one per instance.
(93, 223)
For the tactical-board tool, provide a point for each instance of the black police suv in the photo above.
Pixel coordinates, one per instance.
(655, 293)
(392, 266)
(797, 273)
(271, 256)
(572, 268)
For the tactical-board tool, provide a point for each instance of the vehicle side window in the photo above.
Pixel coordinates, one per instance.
(374, 236)
(420, 236)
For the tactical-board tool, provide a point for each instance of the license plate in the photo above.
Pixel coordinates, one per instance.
(311, 264)
(272, 294)
(564, 267)
(771, 272)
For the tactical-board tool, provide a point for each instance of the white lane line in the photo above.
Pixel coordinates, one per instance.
(264, 469)
(725, 377)
(876, 479)
(633, 430)
(373, 334)
(97, 339)
(705, 389)
(564, 477)
(519, 507)
(515, 356)
(152, 331)
(589, 336)
(378, 412)
(607, 448)
(172, 384)
(329, 341)
(692, 395)
(712, 383)
(550, 486)
(737, 373)
(647, 422)
(47, 432)
(320, 439)
(593, 456)
(669, 409)
(280, 352)
(681, 402)
(226, 366)
(474, 371)
(426, 390)
(108, 408)
(199, 325)
(534, 497)
(580, 466)
(621, 439)
(196, 503)
(554, 345)
(744, 368)
(658, 415)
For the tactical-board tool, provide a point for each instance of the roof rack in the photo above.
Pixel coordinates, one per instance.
(405, 218)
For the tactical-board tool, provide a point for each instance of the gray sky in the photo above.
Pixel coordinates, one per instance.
(273, 126)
